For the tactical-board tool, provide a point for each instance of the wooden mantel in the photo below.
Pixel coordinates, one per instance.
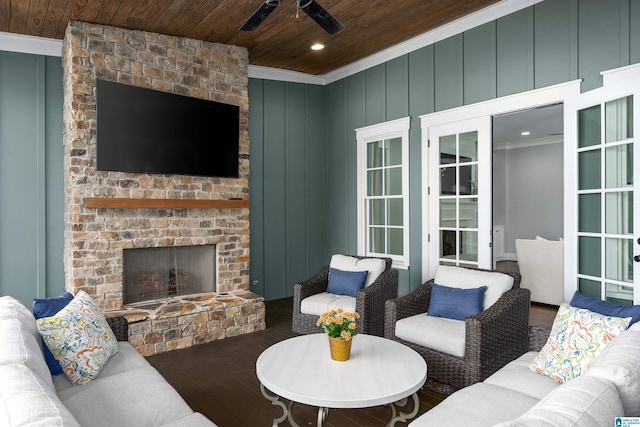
(122, 203)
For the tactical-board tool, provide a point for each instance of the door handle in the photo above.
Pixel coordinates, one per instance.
(636, 258)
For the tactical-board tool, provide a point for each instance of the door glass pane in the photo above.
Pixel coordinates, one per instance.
(394, 152)
(469, 213)
(619, 294)
(468, 180)
(376, 212)
(619, 119)
(618, 259)
(374, 154)
(589, 256)
(393, 178)
(448, 182)
(469, 147)
(448, 213)
(589, 126)
(447, 149)
(619, 166)
(589, 287)
(589, 170)
(619, 212)
(395, 241)
(394, 211)
(589, 213)
(448, 245)
(469, 246)
(376, 240)
(374, 183)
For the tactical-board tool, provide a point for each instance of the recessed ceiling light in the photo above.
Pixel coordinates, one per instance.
(525, 133)
(317, 46)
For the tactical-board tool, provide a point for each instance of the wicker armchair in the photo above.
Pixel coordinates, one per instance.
(369, 301)
(492, 338)
(120, 327)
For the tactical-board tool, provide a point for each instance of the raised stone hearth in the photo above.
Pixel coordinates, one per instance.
(191, 210)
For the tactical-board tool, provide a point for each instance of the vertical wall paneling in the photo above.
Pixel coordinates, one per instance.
(624, 31)
(515, 52)
(449, 73)
(375, 94)
(256, 184)
(634, 32)
(39, 172)
(480, 63)
(397, 88)
(599, 46)
(555, 47)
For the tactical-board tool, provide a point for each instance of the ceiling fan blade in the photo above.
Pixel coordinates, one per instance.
(321, 16)
(260, 15)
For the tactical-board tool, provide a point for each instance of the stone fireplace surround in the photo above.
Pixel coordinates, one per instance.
(106, 212)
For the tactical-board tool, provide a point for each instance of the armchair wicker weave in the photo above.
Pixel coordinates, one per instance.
(492, 338)
(369, 301)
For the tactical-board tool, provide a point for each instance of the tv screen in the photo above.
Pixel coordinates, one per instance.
(147, 131)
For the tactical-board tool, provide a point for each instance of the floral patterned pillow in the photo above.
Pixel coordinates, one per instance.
(577, 337)
(80, 338)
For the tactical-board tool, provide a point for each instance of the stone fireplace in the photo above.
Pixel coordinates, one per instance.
(109, 213)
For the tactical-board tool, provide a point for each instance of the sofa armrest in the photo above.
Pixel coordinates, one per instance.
(371, 300)
(120, 327)
(312, 286)
(411, 304)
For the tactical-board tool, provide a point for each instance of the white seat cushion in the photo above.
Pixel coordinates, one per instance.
(374, 266)
(517, 376)
(438, 333)
(465, 278)
(319, 303)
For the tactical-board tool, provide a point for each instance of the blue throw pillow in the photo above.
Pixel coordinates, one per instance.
(455, 303)
(346, 282)
(605, 308)
(47, 307)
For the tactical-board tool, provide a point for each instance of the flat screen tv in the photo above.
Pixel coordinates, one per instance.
(147, 131)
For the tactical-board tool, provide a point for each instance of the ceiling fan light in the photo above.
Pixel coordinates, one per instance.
(317, 46)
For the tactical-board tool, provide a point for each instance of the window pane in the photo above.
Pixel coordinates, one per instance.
(589, 213)
(448, 247)
(376, 240)
(448, 213)
(618, 259)
(619, 119)
(589, 170)
(469, 213)
(395, 213)
(448, 181)
(469, 147)
(618, 294)
(619, 212)
(394, 152)
(589, 126)
(589, 255)
(469, 246)
(590, 288)
(619, 166)
(468, 180)
(393, 184)
(374, 183)
(447, 149)
(395, 241)
(374, 154)
(376, 212)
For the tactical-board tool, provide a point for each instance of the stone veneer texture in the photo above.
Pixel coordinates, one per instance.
(95, 237)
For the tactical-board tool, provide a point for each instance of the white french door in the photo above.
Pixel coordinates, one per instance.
(459, 194)
(602, 177)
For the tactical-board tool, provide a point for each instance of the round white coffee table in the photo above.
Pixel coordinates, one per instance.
(379, 372)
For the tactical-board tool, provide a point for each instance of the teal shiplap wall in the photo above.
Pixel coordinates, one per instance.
(31, 180)
(303, 149)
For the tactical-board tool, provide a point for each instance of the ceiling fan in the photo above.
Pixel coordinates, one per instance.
(310, 7)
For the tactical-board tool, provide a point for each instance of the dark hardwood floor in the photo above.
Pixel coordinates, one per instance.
(218, 379)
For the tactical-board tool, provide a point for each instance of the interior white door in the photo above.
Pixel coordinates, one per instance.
(602, 247)
(459, 194)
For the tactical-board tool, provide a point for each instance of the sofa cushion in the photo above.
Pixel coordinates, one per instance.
(25, 400)
(459, 277)
(605, 307)
(577, 337)
(581, 402)
(345, 282)
(80, 338)
(324, 301)
(194, 420)
(455, 303)
(374, 266)
(619, 362)
(438, 333)
(45, 307)
(11, 308)
(18, 346)
(479, 405)
(517, 376)
(139, 397)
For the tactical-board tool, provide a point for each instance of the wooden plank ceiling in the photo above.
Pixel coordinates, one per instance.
(282, 41)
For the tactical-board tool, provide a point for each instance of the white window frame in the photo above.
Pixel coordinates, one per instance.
(388, 130)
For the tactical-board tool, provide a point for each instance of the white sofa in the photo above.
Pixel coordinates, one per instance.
(127, 392)
(541, 264)
(517, 396)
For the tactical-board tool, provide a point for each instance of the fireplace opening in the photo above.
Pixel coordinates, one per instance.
(157, 273)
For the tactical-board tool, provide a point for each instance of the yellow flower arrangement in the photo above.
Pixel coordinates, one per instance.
(338, 323)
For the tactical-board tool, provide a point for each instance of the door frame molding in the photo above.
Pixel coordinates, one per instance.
(520, 101)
